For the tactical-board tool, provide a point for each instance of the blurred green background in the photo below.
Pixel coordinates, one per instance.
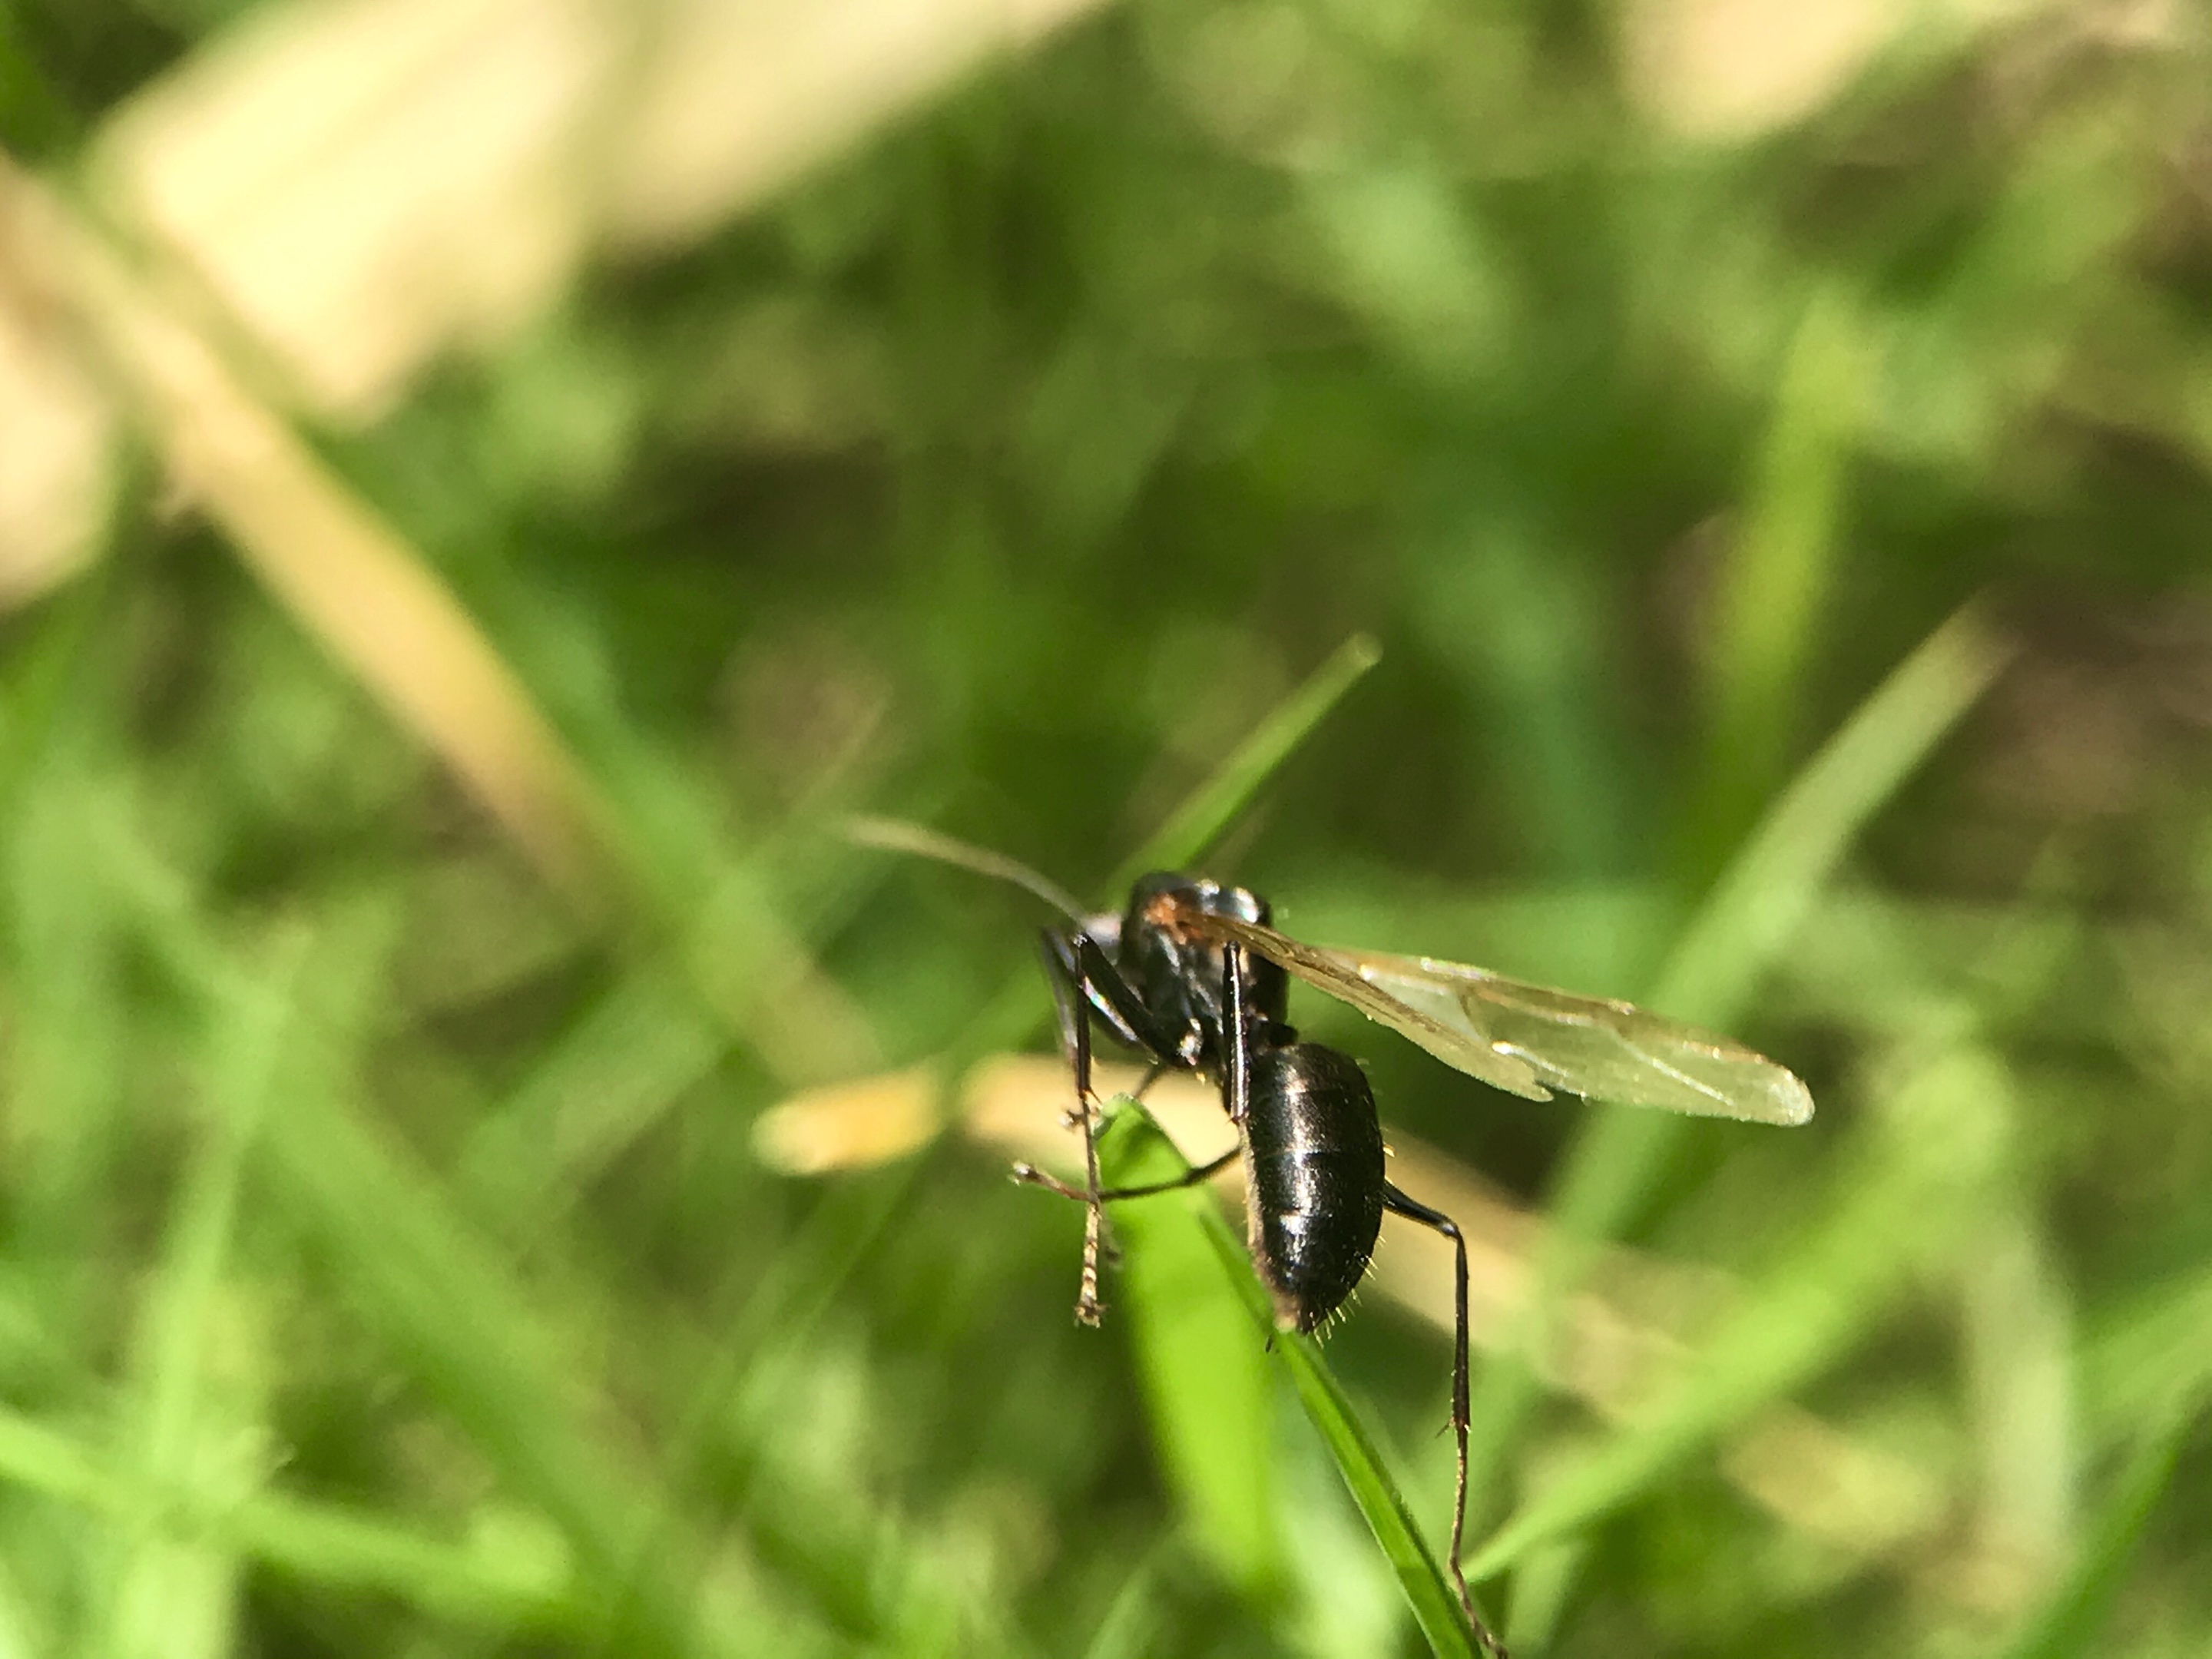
(386, 1264)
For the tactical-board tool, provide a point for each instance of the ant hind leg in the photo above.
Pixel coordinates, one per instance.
(1437, 1221)
(1029, 1175)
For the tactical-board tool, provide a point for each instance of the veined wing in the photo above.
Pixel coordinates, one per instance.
(1523, 1037)
(1436, 1024)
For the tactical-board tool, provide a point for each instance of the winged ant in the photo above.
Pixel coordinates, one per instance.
(1193, 976)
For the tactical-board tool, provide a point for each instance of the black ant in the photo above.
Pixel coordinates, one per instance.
(1192, 976)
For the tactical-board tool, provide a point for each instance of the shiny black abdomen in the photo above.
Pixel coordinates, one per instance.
(1315, 1177)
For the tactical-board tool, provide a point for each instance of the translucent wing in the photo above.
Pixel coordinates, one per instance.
(1442, 1029)
(1522, 1038)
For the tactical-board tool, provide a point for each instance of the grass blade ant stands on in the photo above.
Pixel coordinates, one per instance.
(1193, 976)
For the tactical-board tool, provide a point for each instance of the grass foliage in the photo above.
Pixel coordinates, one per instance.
(1370, 447)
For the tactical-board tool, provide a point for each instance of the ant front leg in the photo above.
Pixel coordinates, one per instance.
(1236, 1039)
(1084, 981)
(1071, 996)
(1412, 1210)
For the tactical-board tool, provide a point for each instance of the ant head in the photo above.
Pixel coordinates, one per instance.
(1179, 972)
(1156, 898)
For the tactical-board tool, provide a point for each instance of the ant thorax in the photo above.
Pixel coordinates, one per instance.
(1179, 974)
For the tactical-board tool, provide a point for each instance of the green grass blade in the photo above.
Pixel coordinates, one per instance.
(199, 1411)
(1137, 1150)
(451, 1309)
(518, 1585)
(2069, 1622)
(1766, 894)
(70, 1032)
(1908, 1197)
(317, 1543)
(1747, 920)
(1745, 924)
(1189, 830)
(1210, 808)
(56, 1464)
(1428, 1592)
(1205, 1380)
(1777, 574)
(601, 1087)
(1130, 1628)
(2150, 1357)
(414, 1269)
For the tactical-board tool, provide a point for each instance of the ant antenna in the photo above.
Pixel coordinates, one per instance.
(899, 835)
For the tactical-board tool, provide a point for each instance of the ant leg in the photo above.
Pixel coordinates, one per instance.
(1030, 1174)
(1084, 981)
(1235, 1040)
(1075, 960)
(1399, 1204)
(1074, 1012)
(1094, 1208)
(1190, 1177)
(1064, 973)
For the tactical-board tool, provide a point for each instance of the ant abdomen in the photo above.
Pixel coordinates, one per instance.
(1313, 1163)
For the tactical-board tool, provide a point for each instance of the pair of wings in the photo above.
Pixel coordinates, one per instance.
(1529, 1040)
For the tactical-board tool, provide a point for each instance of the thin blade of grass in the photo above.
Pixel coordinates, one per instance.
(1773, 882)
(2017, 1347)
(413, 1268)
(503, 1590)
(2069, 1622)
(1428, 1592)
(317, 1543)
(1015, 1011)
(1897, 1207)
(1205, 1381)
(1134, 1144)
(448, 1306)
(1759, 902)
(2150, 1356)
(1130, 1628)
(198, 1416)
(607, 1080)
(1777, 577)
(70, 1033)
(1195, 825)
